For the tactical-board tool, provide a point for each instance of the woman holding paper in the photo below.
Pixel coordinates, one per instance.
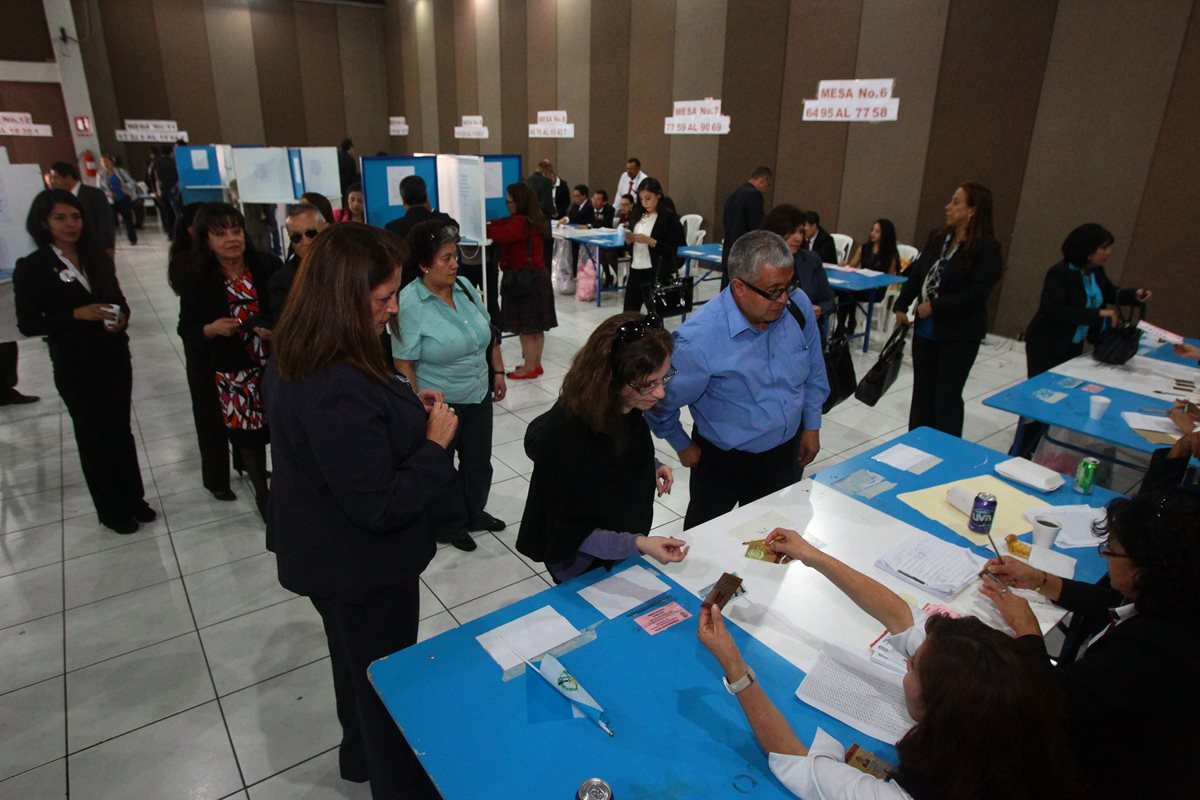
(1075, 294)
(591, 495)
(1137, 671)
(988, 721)
(357, 455)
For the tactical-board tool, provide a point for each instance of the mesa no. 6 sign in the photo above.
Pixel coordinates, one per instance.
(854, 101)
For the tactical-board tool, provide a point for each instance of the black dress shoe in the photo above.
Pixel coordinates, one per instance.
(127, 525)
(144, 513)
(487, 522)
(466, 544)
(224, 495)
(15, 398)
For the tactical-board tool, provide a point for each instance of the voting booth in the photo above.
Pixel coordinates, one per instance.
(204, 172)
(381, 176)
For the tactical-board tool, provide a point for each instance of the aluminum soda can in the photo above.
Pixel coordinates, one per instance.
(1085, 475)
(983, 511)
(594, 789)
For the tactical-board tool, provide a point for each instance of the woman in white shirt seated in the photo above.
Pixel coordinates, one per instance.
(989, 722)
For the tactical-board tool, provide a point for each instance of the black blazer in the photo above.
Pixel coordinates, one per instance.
(202, 300)
(280, 283)
(824, 246)
(581, 215)
(668, 233)
(98, 214)
(1128, 691)
(743, 213)
(602, 217)
(960, 310)
(46, 304)
(1048, 340)
(562, 198)
(352, 474)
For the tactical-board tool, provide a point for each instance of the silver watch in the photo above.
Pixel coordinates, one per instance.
(741, 683)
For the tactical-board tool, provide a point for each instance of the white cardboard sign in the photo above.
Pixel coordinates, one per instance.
(555, 130)
(855, 89)
(397, 126)
(472, 128)
(151, 125)
(696, 116)
(151, 136)
(852, 110)
(551, 117)
(15, 118)
(24, 129)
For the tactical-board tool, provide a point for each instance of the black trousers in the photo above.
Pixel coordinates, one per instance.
(166, 214)
(8, 367)
(210, 426)
(459, 506)
(726, 478)
(373, 748)
(123, 209)
(940, 371)
(97, 394)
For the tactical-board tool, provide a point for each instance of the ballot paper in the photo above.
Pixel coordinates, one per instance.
(1160, 334)
(938, 567)
(1075, 523)
(909, 459)
(866, 696)
(1150, 422)
(530, 636)
(623, 591)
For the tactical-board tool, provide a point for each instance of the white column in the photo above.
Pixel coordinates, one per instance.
(76, 98)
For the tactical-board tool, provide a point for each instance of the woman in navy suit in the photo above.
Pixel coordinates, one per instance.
(357, 455)
(67, 291)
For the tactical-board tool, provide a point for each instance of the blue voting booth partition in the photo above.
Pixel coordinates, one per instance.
(499, 171)
(199, 170)
(381, 176)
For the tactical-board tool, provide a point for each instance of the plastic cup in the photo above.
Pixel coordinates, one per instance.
(1099, 406)
(112, 323)
(1045, 531)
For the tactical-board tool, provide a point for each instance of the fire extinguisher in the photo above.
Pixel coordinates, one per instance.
(88, 166)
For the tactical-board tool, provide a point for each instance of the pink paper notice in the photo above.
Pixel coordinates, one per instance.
(662, 618)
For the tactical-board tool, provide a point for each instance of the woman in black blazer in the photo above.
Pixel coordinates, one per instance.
(655, 233)
(1131, 692)
(951, 281)
(1074, 296)
(67, 291)
(224, 313)
(357, 455)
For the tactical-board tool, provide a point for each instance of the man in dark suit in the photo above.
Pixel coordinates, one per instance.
(542, 183)
(166, 173)
(96, 209)
(347, 165)
(743, 213)
(415, 197)
(818, 239)
(304, 222)
(601, 216)
(580, 212)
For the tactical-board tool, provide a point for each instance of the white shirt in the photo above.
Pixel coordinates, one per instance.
(627, 184)
(1122, 613)
(71, 269)
(641, 252)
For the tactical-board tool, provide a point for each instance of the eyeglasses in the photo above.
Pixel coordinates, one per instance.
(1104, 550)
(311, 233)
(637, 328)
(652, 385)
(773, 295)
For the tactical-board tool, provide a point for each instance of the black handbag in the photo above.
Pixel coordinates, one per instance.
(1118, 344)
(671, 299)
(519, 282)
(882, 375)
(839, 370)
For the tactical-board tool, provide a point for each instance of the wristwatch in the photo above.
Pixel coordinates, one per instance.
(741, 683)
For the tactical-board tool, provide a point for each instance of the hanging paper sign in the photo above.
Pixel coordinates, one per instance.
(472, 128)
(551, 117)
(156, 125)
(24, 129)
(15, 118)
(867, 100)
(697, 116)
(397, 126)
(151, 136)
(552, 125)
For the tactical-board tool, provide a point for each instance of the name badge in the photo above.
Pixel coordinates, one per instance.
(66, 277)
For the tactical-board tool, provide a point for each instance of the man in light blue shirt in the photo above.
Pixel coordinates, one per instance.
(754, 379)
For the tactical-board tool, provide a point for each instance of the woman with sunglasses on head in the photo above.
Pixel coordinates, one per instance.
(988, 721)
(1131, 691)
(225, 313)
(591, 495)
(655, 233)
(442, 341)
(67, 291)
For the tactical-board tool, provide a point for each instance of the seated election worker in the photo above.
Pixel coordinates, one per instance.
(989, 723)
(1131, 690)
(591, 495)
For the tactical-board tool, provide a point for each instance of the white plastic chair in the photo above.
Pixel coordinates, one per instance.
(843, 244)
(695, 238)
(691, 223)
(907, 253)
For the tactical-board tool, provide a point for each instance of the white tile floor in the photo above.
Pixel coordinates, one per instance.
(170, 663)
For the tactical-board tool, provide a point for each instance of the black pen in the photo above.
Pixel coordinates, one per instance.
(911, 577)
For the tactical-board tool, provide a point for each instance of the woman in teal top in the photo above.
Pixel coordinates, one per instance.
(443, 341)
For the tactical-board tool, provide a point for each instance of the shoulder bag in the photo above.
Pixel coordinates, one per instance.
(839, 369)
(1118, 344)
(519, 282)
(883, 374)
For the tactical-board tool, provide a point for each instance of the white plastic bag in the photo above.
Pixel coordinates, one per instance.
(560, 268)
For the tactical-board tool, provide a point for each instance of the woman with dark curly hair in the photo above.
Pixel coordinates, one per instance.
(591, 495)
(1135, 675)
(989, 723)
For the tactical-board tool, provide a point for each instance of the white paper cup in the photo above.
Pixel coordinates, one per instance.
(112, 323)
(1045, 531)
(1099, 406)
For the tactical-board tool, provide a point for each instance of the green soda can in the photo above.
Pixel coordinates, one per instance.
(1085, 475)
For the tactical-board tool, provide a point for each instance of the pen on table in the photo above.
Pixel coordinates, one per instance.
(911, 577)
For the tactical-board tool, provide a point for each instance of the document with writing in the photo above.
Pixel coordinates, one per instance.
(866, 696)
(936, 566)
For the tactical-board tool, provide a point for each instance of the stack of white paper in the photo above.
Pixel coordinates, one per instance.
(909, 459)
(938, 567)
(866, 696)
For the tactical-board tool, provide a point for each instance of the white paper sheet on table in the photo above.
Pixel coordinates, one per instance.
(866, 696)
(932, 564)
(1142, 375)
(907, 458)
(1149, 422)
(532, 635)
(1075, 521)
(623, 591)
(797, 518)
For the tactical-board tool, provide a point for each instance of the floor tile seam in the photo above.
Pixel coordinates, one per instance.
(435, 597)
(142, 726)
(186, 528)
(31, 769)
(293, 766)
(268, 678)
(532, 574)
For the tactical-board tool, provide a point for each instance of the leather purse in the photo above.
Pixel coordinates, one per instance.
(882, 375)
(839, 370)
(1118, 344)
(671, 299)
